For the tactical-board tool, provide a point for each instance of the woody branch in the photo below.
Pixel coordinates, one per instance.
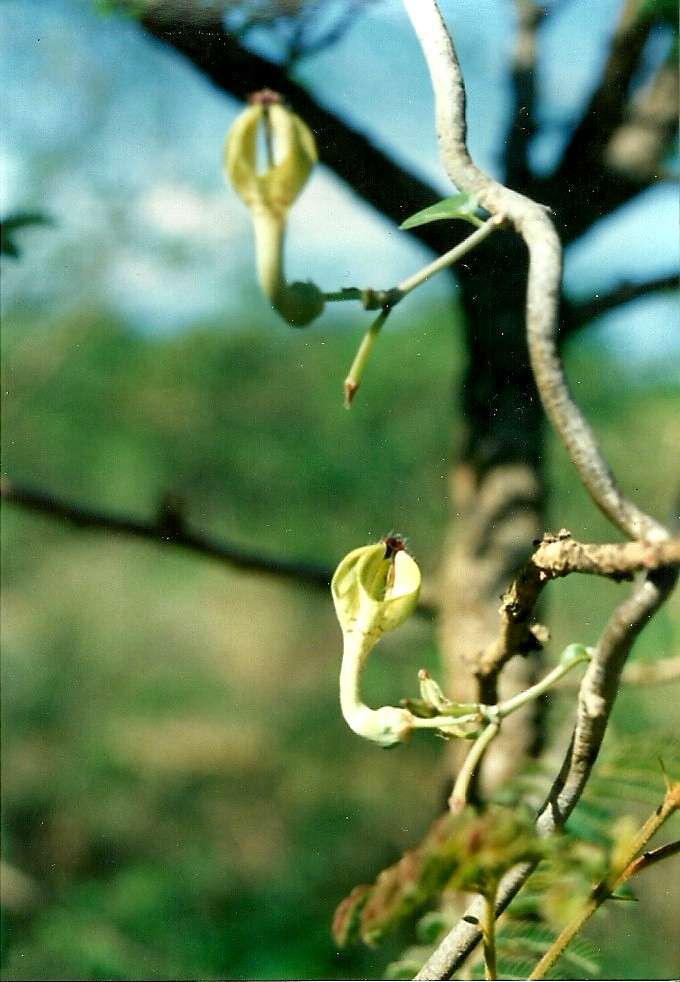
(531, 221)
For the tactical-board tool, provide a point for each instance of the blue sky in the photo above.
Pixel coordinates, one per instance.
(121, 142)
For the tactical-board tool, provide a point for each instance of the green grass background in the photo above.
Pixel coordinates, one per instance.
(181, 797)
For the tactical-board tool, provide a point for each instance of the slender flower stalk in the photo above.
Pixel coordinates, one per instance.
(450, 257)
(575, 654)
(354, 376)
(461, 789)
(388, 724)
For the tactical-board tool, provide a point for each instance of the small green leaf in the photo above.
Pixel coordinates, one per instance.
(462, 206)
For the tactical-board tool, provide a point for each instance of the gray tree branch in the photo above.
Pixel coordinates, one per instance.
(607, 105)
(636, 149)
(596, 699)
(616, 150)
(600, 684)
(531, 221)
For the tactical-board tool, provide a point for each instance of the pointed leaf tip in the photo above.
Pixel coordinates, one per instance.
(463, 206)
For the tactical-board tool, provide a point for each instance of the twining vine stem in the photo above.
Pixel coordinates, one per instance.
(532, 222)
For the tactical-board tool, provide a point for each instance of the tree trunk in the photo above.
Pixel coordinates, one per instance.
(497, 491)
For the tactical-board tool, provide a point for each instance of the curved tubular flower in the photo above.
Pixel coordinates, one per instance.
(375, 589)
(269, 193)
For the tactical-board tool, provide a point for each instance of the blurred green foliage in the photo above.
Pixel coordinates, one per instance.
(181, 797)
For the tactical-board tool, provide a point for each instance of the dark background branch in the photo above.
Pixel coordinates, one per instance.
(576, 314)
(170, 529)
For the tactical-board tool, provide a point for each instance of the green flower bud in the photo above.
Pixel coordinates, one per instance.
(431, 693)
(574, 654)
(269, 193)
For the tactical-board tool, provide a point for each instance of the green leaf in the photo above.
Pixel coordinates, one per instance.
(462, 206)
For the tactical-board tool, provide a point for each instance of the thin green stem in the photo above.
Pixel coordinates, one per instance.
(511, 705)
(450, 257)
(628, 866)
(461, 789)
(489, 937)
(339, 296)
(450, 724)
(374, 298)
(353, 380)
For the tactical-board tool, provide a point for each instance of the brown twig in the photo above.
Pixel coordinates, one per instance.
(607, 105)
(638, 145)
(555, 557)
(168, 529)
(658, 672)
(171, 529)
(593, 167)
(652, 673)
(560, 555)
(652, 857)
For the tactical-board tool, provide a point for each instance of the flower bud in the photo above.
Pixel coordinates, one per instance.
(573, 654)
(269, 192)
(375, 588)
(431, 693)
(277, 186)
